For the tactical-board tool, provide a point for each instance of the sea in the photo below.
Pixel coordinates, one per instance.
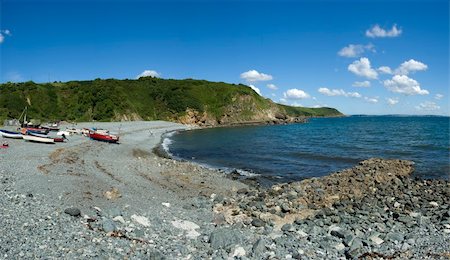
(284, 153)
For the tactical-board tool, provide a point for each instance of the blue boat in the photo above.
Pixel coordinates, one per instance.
(10, 134)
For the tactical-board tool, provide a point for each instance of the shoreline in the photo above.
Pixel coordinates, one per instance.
(133, 204)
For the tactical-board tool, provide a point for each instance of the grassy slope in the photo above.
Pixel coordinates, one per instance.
(146, 98)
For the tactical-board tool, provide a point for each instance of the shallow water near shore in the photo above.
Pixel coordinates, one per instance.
(284, 153)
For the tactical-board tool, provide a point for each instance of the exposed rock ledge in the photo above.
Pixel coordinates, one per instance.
(284, 203)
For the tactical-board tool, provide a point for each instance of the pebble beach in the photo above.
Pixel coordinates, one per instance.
(87, 199)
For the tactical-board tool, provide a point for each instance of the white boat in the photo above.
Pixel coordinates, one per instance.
(39, 139)
(73, 131)
(60, 133)
(10, 134)
(38, 135)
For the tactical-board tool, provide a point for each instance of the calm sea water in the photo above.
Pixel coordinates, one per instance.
(292, 152)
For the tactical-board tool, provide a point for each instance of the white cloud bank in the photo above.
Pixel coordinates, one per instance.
(149, 73)
(338, 92)
(410, 66)
(428, 106)
(377, 32)
(295, 94)
(438, 96)
(362, 68)
(404, 85)
(392, 101)
(361, 84)
(355, 50)
(254, 76)
(257, 90)
(385, 70)
(272, 86)
(3, 33)
(371, 100)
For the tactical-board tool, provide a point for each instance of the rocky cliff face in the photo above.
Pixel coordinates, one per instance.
(244, 109)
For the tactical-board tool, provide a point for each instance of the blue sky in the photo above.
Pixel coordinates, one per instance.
(361, 57)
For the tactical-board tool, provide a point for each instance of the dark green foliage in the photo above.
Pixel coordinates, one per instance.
(147, 98)
(307, 111)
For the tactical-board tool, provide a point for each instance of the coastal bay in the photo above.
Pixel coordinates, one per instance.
(85, 199)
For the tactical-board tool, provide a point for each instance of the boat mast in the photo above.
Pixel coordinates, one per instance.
(24, 114)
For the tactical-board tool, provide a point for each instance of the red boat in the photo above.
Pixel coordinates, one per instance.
(104, 137)
(36, 130)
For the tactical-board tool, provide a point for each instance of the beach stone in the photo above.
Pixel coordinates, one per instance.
(256, 222)
(287, 228)
(108, 225)
(259, 247)
(348, 239)
(141, 220)
(339, 247)
(353, 253)
(394, 236)
(376, 240)
(356, 244)
(434, 204)
(119, 219)
(242, 191)
(114, 212)
(285, 208)
(338, 233)
(74, 212)
(224, 238)
(156, 255)
(238, 252)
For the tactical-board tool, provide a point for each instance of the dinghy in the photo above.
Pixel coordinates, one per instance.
(104, 137)
(10, 134)
(38, 139)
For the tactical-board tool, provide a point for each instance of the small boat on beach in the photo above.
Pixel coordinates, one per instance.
(50, 128)
(36, 130)
(103, 137)
(58, 140)
(10, 134)
(36, 134)
(38, 139)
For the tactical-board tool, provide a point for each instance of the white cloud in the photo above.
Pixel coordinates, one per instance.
(296, 104)
(282, 101)
(253, 76)
(255, 89)
(362, 68)
(385, 70)
(392, 101)
(149, 73)
(371, 100)
(3, 33)
(295, 94)
(410, 66)
(377, 31)
(438, 96)
(355, 50)
(361, 84)
(338, 92)
(428, 106)
(272, 86)
(404, 85)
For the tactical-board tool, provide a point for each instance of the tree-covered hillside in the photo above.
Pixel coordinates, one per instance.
(143, 99)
